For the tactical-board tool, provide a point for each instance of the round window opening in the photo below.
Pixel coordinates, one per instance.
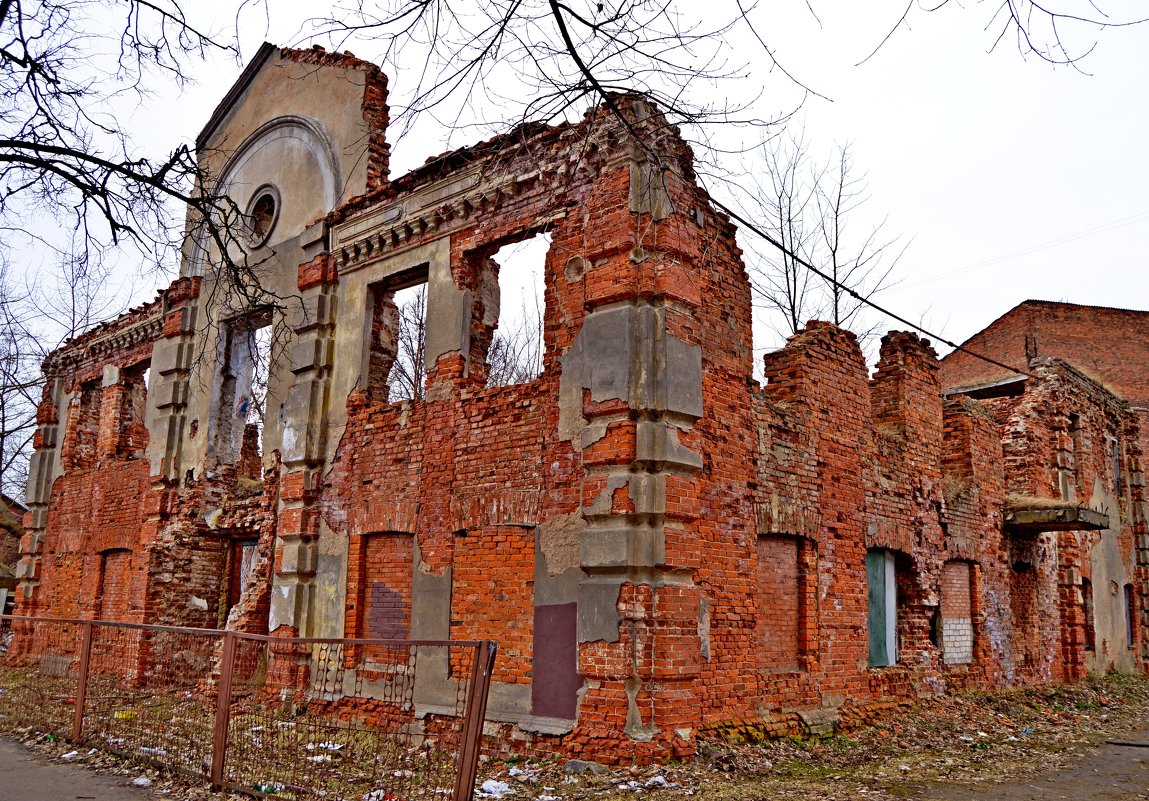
(262, 214)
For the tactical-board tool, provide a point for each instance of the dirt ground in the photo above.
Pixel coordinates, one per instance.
(1037, 744)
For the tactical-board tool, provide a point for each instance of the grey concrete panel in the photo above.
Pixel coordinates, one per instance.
(608, 350)
(657, 441)
(556, 546)
(648, 493)
(431, 620)
(430, 605)
(648, 192)
(448, 316)
(622, 547)
(683, 378)
(598, 617)
(298, 437)
(330, 595)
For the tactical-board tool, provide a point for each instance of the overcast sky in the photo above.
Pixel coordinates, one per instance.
(1015, 179)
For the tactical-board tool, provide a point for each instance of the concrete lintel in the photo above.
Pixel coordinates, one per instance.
(1034, 520)
(622, 547)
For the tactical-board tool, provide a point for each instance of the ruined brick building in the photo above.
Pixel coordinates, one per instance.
(661, 546)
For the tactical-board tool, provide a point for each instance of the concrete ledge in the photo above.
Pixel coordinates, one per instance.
(1034, 520)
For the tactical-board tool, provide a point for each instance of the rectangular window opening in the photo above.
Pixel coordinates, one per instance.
(244, 393)
(781, 602)
(957, 635)
(243, 559)
(882, 606)
(133, 429)
(1129, 615)
(512, 287)
(1090, 633)
(395, 365)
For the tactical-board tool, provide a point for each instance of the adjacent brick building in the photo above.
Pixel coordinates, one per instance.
(661, 546)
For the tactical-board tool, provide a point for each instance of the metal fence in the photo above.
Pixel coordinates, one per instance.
(371, 720)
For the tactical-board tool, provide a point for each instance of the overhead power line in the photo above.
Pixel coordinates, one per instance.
(745, 223)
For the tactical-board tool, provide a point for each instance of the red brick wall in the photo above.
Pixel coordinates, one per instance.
(1111, 345)
(493, 595)
(778, 602)
(386, 586)
(115, 584)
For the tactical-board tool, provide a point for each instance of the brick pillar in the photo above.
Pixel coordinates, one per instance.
(297, 530)
(43, 469)
(172, 359)
(631, 394)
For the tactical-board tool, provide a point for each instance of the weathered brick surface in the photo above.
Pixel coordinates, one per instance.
(712, 533)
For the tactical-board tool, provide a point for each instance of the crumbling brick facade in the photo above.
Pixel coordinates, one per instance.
(660, 546)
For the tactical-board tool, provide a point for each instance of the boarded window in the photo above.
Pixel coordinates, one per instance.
(779, 602)
(114, 585)
(1090, 632)
(882, 607)
(387, 572)
(1129, 615)
(957, 613)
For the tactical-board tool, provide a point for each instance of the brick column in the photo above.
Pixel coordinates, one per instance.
(43, 468)
(304, 440)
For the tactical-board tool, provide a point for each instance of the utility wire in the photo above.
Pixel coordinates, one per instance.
(791, 254)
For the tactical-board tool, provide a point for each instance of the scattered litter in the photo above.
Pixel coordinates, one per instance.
(319, 758)
(496, 789)
(144, 749)
(70, 755)
(630, 786)
(966, 739)
(256, 728)
(327, 746)
(582, 766)
(516, 772)
(660, 781)
(1027, 731)
(548, 798)
(270, 787)
(982, 734)
(124, 714)
(286, 724)
(113, 740)
(93, 751)
(141, 781)
(402, 774)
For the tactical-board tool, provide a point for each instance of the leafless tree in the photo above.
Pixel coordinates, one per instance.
(35, 318)
(516, 354)
(1057, 31)
(813, 209)
(785, 199)
(862, 262)
(409, 370)
(20, 385)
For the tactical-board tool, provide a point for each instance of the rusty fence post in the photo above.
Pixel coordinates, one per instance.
(222, 710)
(476, 713)
(82, 682)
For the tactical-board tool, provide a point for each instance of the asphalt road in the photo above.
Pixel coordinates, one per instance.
(25, 776)
(1116, 772)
